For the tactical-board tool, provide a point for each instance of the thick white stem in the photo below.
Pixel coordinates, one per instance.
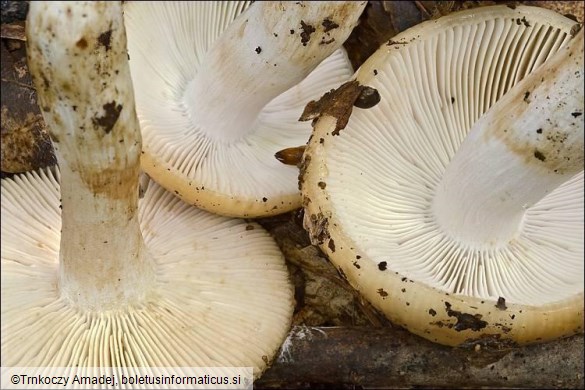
(77, 57)
(267, 50)
(525, 146)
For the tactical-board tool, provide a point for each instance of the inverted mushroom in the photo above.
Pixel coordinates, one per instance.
(455, 205)
(215, 110)
(111, 281)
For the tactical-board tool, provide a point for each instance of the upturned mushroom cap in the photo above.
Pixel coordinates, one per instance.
(222, 295)
(215, 106)
(93, 276)
(461, 249)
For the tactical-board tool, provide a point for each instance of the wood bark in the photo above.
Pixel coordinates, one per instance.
(365, 357)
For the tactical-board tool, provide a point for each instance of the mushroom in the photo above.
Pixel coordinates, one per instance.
(215, 110)
(111, 280)
(455, 205)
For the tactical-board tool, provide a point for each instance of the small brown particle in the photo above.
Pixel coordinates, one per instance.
(258, 50)
(501, 303)
(382, 265)
(367, 98)
(382, 293)
(290, 156)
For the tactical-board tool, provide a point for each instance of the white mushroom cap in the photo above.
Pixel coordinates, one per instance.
(93, 277)
(455, 251)
(215, 110)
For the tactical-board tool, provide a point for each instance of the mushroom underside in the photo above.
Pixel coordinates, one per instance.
(218, 281)
(226, 171)
(368, 188)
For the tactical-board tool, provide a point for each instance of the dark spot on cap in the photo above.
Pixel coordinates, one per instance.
(538, 154)
(264, 199)
(526, 96)
(329, 25)
(465, 320)
(403, 290)
(375, 72)
(432, 312)
(355, 264)
(501, 303)
(292, 31)
(258, 50)
(382, 265)
(306, 34)
(452, 100)
(112, 113)
(538, 131)
(82, 43)
(105, 39)
(331, 245)
(576, 114)
(322, 185)
(382, 293)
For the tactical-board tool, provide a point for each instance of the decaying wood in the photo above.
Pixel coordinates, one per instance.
(323, 297)
(25, 143)
(366, 357)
